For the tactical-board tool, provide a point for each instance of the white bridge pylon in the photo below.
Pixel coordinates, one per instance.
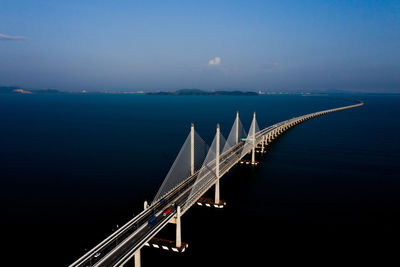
(251, 139)
(236, 134)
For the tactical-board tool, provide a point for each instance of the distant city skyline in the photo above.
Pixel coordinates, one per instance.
(210, 45)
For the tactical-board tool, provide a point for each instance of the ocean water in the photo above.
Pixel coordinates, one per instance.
(75, 166)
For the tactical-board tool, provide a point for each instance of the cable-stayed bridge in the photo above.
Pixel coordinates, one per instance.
(196, 169)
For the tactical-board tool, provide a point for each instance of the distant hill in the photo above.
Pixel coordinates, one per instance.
(189, 92)
(45, 91)
(19, 90)
(22, 91)
(235, 93)
(186, 91)
(202, 92)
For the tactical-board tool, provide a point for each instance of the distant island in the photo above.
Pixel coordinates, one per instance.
(19, 90)
(192, 92)
(202, 92)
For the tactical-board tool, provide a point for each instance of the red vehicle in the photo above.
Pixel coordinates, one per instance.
(165, 213)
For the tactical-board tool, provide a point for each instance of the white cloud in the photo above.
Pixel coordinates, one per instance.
(214, 61)
(9, 37)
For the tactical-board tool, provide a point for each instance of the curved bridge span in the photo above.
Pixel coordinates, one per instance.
(193, 173)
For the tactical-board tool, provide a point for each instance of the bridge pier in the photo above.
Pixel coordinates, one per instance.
(178, 243)
(137, 258)
(217, 199)
(262, 145)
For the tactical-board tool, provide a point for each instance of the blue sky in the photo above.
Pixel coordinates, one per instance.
(164, 45)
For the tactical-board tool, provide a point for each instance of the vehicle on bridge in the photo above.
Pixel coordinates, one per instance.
(166, 212)
(152, 221)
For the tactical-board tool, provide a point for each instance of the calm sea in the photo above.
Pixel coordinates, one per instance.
(74, 167)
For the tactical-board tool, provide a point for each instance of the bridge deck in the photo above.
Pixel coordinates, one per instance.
(136, 233)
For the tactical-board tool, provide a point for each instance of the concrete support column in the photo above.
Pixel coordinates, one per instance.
(192, 149)
(178, 227)
(137, 258)
(253, 154)
(262, 146)
(217, 197)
